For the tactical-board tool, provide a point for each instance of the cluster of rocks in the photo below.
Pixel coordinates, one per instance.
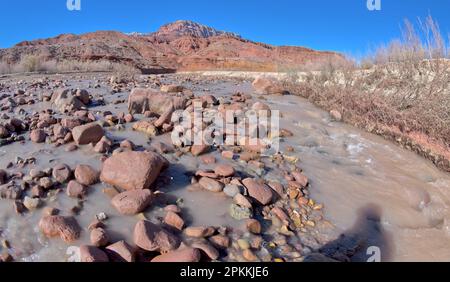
(268, 209)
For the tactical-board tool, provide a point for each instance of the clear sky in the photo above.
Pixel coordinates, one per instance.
(341, 25)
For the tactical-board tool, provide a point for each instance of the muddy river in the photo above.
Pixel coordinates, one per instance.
(372, 190)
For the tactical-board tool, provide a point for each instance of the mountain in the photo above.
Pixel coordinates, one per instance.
(177, 46)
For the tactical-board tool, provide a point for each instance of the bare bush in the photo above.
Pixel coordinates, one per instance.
(403, 87)
(32, 63)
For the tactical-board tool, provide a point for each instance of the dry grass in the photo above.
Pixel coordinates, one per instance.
(32, 63)
(405, 87)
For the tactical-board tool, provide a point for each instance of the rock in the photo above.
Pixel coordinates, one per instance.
(172, 88)
(38, 136)
(65, 100)
(83, 96)
(231, 190)
(199, 231)
(151, 237)
(46, 183)
(103, 146)
(31, 203)
(174, 220)
(336, 115)
(224, 170)
(249, 255)
(186, 254)
(220, 241)
(253, 226)
(260, 192)
(86, 175)
(65, 227)
(120, 252)
(206, 248)
(62, 173)
(76, 190)
(92, 254)
(133, 170)
(242, 201)
(172, 208)
(239, 213)
(277, 187)
(268, 86)
(132, 202)
(141, 100)
(197, 150)
(146, 127)
(211, 184)
(99, 237)
(300, 178)
(88, 133)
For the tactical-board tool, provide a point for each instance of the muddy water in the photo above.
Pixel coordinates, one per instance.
(373, 191)
(371, 188)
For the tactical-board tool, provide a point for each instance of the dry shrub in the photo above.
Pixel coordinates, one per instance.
(32, 63)
(405, 85)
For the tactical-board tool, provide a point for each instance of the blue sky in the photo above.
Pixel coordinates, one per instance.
(342, 25)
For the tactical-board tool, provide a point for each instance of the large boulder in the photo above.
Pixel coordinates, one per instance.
(152, 237)
(133, 170)
(87, 133)
(268, 86)
(66, 100)
(142, 100)
(132, 202)
(63, 226)
(258, 191)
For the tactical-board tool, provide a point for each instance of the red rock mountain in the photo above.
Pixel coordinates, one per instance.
(182, 45)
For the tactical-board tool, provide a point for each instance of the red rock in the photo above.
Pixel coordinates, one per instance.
(300, 178)
(65, 227)
(336, 115)
(174, 220)
(132, 202)
(88, 133)
(133, 170)
(92, 254)
(62, 173)
(76, 190)
(151, 237)
(38, 136)
(199, 231)
(120, 252)
(253, 226)
(211, 184)
(99, 237)
(258, 191)
(220, 241)
(172, 208)
(197, 150)
(206, 248)
(277, 187)
(267, 86)
(86, 175)
(172, 88)
(224, 170)
(182, 255)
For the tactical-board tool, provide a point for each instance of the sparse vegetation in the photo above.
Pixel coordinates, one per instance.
(401, 91)
(33, 63)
